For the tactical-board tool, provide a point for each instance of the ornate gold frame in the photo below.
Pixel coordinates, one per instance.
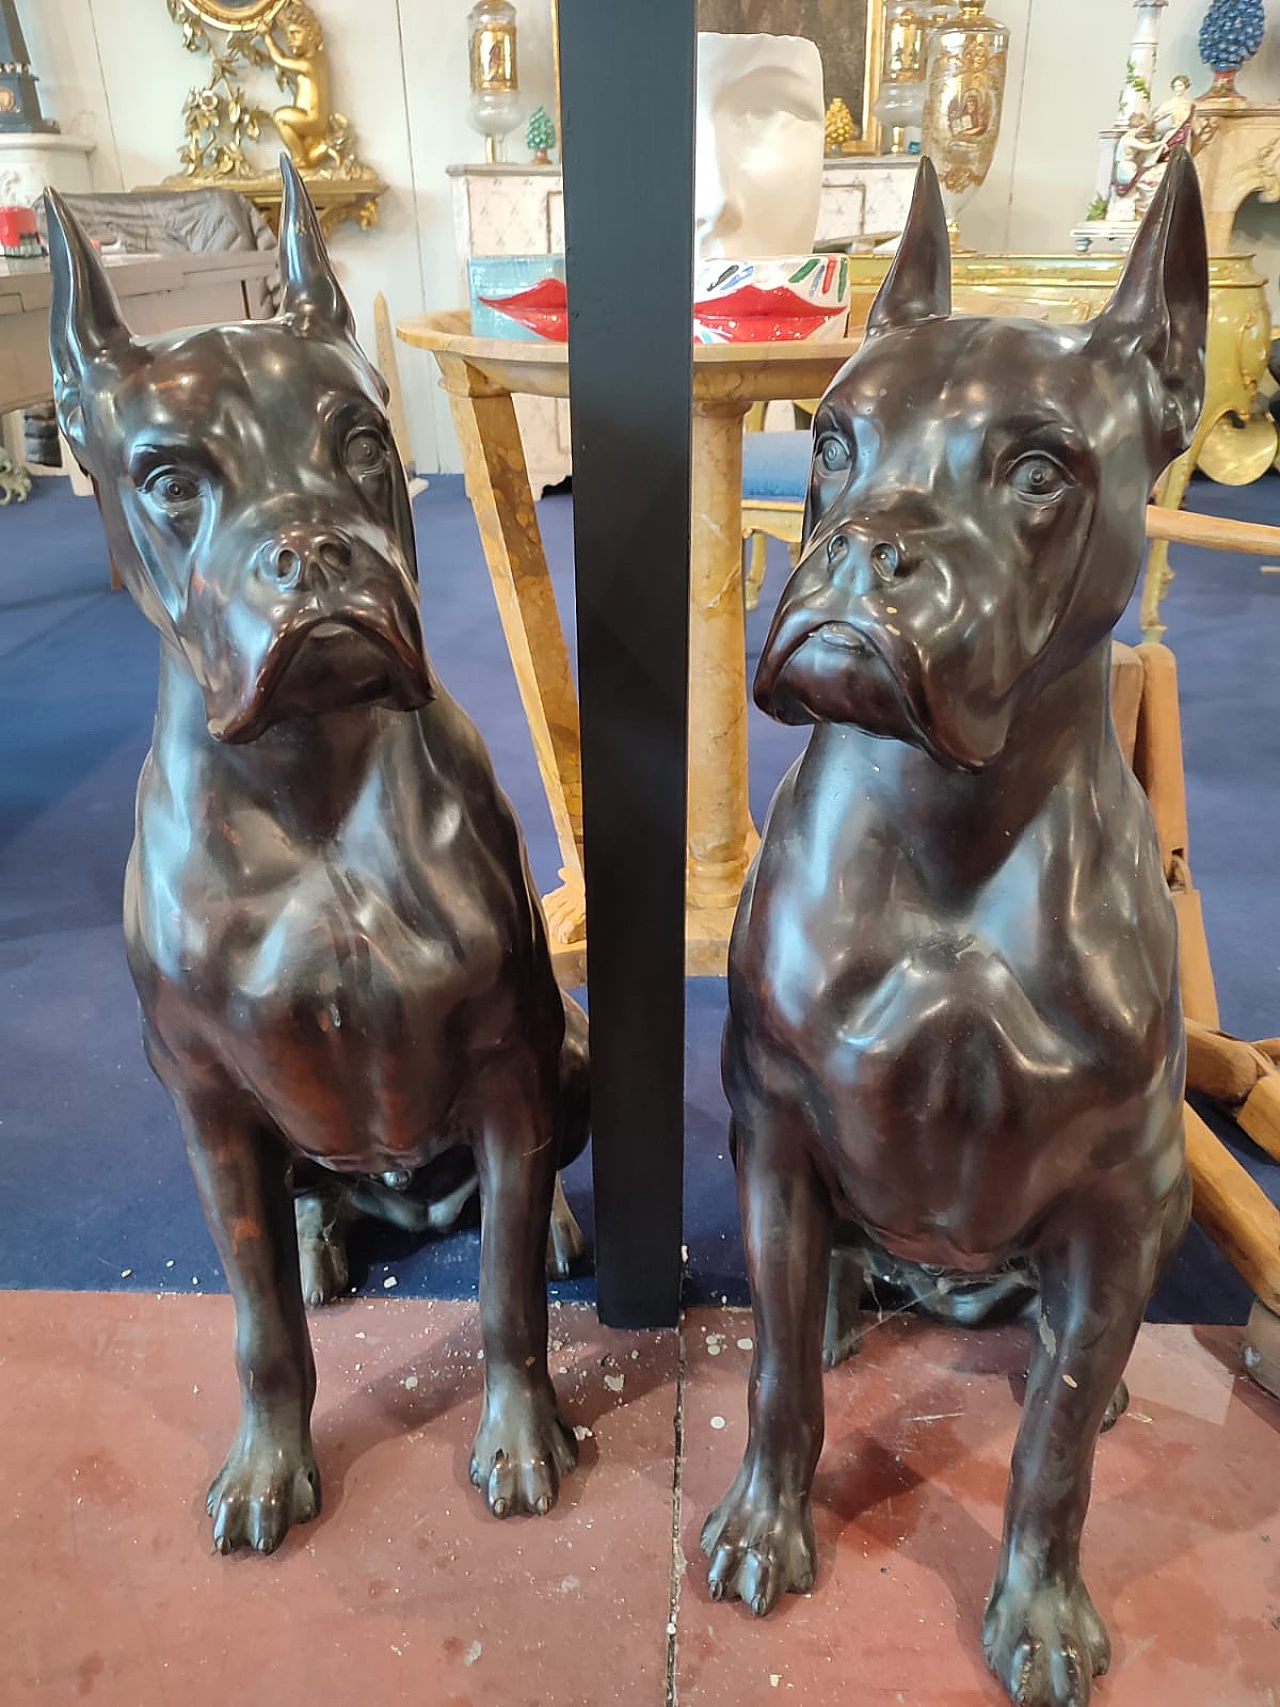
(870, 142)
(222, 124)
(256, 15)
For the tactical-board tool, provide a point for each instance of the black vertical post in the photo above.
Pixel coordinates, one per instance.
(627, 94)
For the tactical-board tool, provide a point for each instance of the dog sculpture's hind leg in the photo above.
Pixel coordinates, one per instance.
(432, 1201)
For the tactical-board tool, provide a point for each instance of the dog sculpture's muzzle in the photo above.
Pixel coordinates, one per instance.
(327, 624)
(834, 651)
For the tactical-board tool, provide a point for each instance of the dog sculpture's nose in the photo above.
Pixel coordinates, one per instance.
(306, 558)
(888, 561)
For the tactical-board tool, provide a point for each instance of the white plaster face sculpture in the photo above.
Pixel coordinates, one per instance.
(759, 146)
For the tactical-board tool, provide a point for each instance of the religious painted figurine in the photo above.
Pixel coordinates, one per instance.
(1144, 151)
(341, 959)
(954, 1027)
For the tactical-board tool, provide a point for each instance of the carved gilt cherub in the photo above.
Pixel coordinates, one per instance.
(313, 133)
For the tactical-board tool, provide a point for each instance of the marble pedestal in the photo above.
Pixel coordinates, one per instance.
(30, 161)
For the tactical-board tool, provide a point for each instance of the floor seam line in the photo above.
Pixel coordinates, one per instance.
(677, 1495)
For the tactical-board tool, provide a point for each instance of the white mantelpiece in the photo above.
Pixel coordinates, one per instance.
(31, 161)
(512, 209)
(865, 195)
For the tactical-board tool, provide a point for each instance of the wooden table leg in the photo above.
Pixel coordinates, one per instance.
(498, 485)
(722, 838)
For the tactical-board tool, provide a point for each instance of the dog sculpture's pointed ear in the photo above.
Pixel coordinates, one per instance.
(918, 285)
(1160, 308)
(85, 323)
(312, 300)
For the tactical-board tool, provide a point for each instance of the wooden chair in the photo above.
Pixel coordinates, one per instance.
(1228, 1203)
(775, 475)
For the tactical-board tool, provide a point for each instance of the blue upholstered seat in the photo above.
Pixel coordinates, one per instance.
(775, 467)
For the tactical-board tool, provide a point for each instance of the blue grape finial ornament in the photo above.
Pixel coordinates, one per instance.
(1231, 33)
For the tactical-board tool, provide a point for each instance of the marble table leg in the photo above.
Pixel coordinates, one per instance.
(722, 838)
(498, 486)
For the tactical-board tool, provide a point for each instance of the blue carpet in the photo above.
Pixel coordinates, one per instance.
(94, 1191)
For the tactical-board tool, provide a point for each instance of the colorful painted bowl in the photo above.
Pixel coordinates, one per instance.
(771, 301)
(521, 297)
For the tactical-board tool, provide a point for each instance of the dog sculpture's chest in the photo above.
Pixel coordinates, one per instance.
(354, 983)
(946, 1052)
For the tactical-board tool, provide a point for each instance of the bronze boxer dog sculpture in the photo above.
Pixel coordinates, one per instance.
(339, 952)
(954, 1020)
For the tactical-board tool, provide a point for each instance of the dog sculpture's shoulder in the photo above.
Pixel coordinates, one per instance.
(254, 942)
(427, 845)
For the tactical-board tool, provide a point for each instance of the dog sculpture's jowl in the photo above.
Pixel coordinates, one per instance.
(955, 1039)
(341, 961)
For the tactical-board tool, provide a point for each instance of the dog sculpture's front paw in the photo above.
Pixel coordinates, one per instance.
(1044, 1640)
(521, 1451)
(265, 1485)
(760, 1544)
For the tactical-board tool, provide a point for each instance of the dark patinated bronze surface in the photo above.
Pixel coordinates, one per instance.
(340, 956)
(954, 1019)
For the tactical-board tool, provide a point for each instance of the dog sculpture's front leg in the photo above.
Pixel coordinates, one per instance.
(269, 1479)
(522, 1448)
(1042, 1634)
(760, 1537)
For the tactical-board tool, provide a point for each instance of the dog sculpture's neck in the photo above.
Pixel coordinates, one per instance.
(969, 821)
(276, 773)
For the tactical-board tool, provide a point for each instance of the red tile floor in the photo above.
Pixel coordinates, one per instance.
(115, 1410)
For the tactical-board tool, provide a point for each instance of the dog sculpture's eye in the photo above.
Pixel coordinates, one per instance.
(172, 489)
(1038, 477)
(833, 455)
(366, 452)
